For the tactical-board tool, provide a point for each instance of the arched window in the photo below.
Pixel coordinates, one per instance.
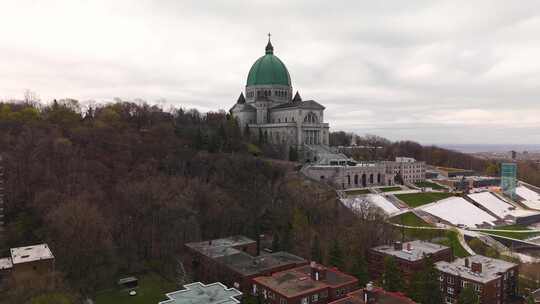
(348, 179)
(310, 118)
(364, 182)
(371, 178)
(356, 179)
(378, 178)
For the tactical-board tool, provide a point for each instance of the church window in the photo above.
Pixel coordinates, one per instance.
(285, 119)
(310, 118)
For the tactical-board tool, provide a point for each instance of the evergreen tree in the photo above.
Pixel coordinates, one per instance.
(415, 289)
(247, 132)
(336, 255)
(392, 278)
(276, 245)
(286, 244)
(468, 296)
(293, 154)
(431, 293)
(360, 271)
(316, 254)
(261, 137)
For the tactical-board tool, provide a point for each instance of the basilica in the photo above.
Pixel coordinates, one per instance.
(268, 107)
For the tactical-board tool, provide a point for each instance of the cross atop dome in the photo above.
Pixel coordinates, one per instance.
(269, 47)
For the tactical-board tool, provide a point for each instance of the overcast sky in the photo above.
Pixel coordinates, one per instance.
(430, 71)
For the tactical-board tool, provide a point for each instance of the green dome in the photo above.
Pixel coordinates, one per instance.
(268, 70)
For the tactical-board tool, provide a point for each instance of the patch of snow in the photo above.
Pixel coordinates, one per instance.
(532, 198)
(457, 210)
(371, 200)
(498, 206)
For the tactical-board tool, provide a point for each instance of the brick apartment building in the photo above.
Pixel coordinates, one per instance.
(27, 264)
(235, 261)
(373, 295)
(409, 257)
(309, 284)
(495, 281)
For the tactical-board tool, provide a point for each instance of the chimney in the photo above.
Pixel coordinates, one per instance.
(259, 237)
(367, 292)
(476, 267)
(467, 262)
(318, 272)
(398, 245)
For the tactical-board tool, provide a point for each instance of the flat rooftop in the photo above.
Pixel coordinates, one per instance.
(249, 265)
(298, 281)
(380, 295)
(5, 263)
(418, 249)
(199, 293)
(491, 268)
(31, 254)
(220, 247)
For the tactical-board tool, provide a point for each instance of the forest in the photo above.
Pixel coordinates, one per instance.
(119, 188)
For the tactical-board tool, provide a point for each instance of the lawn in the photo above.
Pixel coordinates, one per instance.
(389, 189)
(357, 192)
(409, 219)
(418, 199)
(429, 185)
(152, 289)
(512, 234)
(451, 240)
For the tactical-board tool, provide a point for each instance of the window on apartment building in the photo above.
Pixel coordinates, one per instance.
(450, 280)
(254, 289)
(477, 287)
(450, 290)
(304, 300)
(324, 294)
(315, 297)
(271, 295)
(449, 300)
(441, 278)
(282, 301)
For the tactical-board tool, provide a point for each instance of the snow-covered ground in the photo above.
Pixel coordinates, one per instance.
(498, 206)
(457, 210)
(371, 200)
(532, 198)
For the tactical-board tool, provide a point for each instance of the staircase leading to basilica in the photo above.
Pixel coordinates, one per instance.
(322, 154)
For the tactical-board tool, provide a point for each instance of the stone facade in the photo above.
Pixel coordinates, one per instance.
(346, 174)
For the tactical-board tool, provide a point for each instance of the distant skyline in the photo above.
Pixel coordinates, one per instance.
(435, 72)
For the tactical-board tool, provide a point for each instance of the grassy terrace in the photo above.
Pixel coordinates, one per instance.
(152, 289)
(418, 199)
(512, 234)
(357, 192)
(410, 219)
(389, 189)
(452, 240)
(429, 185)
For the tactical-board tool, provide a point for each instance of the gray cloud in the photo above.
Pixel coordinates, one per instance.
(431, 71)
